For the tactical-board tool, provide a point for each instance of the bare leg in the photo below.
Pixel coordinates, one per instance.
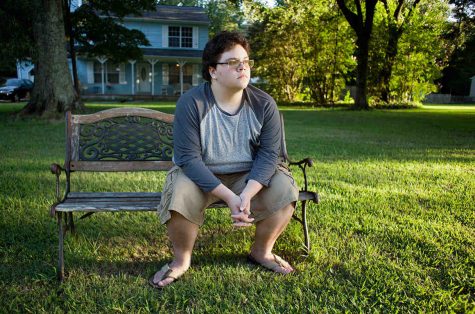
(267, 232)
(182, 234)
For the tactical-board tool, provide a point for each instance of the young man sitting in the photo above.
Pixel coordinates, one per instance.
(227, 138)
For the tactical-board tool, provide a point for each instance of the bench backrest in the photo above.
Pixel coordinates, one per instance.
(123, 139)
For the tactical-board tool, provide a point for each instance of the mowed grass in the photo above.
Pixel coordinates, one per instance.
(395, 230)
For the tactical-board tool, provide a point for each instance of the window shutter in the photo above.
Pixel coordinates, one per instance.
(165, 36)
(122, 74)
(196, 74)
(90, 72)
(195, 37)
(164, 74)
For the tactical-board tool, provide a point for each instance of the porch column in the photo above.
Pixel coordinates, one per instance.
(132, 62)
(153, 62)
(18, 69)
(181, 64)
(102, 61)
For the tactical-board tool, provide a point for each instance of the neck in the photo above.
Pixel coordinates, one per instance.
(228, 100)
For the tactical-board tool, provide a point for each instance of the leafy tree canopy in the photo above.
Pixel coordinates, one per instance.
(16, 34)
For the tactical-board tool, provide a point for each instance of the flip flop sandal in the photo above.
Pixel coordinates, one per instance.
(168, 273)
(277, 263)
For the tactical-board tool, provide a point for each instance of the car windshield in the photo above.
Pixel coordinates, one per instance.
(12, 82)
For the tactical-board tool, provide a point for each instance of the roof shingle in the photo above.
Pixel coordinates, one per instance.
(177, 13)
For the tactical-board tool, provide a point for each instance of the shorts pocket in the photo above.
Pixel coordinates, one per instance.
(286, 171)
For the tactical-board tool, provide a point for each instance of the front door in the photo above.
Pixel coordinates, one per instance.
(144, 78)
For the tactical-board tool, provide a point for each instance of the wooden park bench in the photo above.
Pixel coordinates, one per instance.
(121, 140)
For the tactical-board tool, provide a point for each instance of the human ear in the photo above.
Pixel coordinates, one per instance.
(212, 72)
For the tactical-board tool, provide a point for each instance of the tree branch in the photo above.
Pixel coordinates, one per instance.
(370, 8)
(398, 9)
(351, 17)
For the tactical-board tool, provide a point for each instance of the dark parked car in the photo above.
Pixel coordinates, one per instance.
(15, 89)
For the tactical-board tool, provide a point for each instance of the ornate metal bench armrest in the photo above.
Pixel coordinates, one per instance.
(56, 170)
(302, 164)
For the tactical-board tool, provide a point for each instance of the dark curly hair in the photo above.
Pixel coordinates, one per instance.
(220, 43)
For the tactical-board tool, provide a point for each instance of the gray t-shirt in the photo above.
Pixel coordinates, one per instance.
(208, 140)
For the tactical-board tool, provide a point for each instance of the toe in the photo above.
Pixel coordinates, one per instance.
(165, 282)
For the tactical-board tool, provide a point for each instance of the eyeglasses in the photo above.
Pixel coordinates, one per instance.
(235, 63)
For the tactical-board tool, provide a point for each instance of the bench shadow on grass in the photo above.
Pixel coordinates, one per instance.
(32, 250)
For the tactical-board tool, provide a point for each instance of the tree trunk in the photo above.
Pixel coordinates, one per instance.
(361, 101)
(362, 24)
(53, 91)
(389, 58)
(72, 51)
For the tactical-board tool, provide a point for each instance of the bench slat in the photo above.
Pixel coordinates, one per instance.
(89, 207)
(113, 194)
(116, 166)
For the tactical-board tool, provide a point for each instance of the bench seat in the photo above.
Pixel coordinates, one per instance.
(126, 201)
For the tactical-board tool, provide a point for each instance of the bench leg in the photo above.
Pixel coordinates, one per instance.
(60, 246)
(305, 227)
(71, 226)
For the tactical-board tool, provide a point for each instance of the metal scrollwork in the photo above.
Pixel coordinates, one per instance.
(126, 139)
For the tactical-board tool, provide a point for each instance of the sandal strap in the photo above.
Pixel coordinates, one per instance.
(169, 273)
(280, 261)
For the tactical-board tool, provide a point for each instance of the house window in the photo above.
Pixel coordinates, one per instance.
(111, 73)
(180, 36)
(174, 74)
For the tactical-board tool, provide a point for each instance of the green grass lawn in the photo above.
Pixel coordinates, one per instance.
(395, 230)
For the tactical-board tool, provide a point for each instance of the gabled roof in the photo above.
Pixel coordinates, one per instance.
(176, 14)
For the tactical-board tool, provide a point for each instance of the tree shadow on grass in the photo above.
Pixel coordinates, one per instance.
(392, 135)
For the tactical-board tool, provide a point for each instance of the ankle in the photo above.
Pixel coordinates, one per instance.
(260, 252)
(180, 264)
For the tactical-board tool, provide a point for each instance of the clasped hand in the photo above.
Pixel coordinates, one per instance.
(240, 210)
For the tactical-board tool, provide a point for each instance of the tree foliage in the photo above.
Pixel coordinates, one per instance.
(16, 33)
(397, 16)
(224, 15)
(300, 47)
(406, 51)
(307, 46)
(421, 53)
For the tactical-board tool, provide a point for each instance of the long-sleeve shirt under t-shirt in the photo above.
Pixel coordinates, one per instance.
(209, 141)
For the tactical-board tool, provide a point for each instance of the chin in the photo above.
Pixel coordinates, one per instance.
(244, 84)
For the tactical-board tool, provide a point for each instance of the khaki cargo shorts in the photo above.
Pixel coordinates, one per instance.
(182, 195)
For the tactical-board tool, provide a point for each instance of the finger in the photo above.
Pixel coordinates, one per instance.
(241, 224)
(242, 217)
